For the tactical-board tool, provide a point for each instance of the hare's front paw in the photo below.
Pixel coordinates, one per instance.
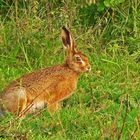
(52, 108)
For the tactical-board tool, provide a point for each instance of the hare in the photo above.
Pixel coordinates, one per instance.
(48, 86)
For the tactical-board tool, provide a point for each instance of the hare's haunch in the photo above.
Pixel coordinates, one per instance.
(49, 86)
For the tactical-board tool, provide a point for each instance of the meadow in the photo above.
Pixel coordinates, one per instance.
(106, 103)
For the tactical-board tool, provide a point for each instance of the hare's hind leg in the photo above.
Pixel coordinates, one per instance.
(22, 102)
(22, 108)
(52, 108)
(14, 100)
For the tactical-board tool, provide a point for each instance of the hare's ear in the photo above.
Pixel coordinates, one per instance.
(68, 41)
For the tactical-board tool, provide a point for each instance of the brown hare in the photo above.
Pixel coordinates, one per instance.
(49, 86)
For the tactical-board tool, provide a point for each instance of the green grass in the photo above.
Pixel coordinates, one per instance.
(106, 102)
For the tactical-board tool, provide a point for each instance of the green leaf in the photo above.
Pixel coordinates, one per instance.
(107, 3)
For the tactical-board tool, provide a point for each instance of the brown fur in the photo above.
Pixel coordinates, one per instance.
(49, 86)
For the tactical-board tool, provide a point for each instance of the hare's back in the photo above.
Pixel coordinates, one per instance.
(44, 78)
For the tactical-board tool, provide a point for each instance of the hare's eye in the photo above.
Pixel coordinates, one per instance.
(78, 59)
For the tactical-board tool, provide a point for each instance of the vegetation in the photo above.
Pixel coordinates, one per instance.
(106, 104)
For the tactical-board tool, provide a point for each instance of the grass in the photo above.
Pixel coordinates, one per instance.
(106, 102)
